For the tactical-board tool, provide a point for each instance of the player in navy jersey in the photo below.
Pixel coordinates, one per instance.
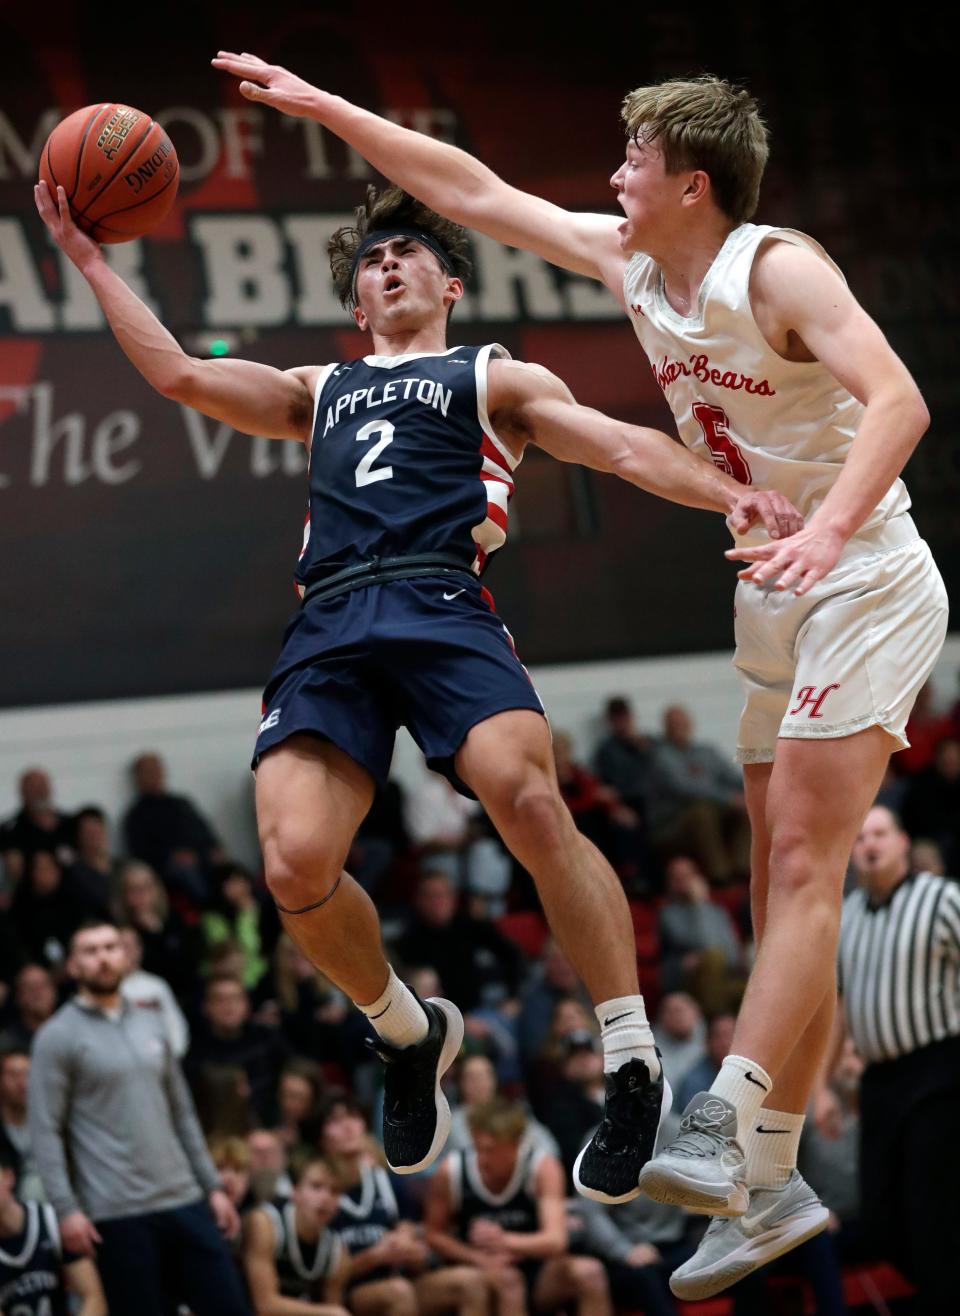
(289, 1249)
(36, 1273)
(499, 1209)
(412, 455)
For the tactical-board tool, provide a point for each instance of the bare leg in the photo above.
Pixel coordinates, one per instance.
(508, 762)
(816, 799)
(458, 1288)
(794, 1082)
(311, 798)
(573, 1279)
(384, 1297)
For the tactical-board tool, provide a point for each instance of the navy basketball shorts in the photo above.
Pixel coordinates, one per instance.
(427, 653)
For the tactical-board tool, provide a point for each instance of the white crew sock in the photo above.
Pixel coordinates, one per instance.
(625, 1034)
(746, 1085)
(396, 1014)
(771, 1148)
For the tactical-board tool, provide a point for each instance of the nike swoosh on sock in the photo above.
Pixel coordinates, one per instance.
(616, 1018)
(750, 1079)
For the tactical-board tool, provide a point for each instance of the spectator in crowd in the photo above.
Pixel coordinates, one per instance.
(269, 1176)
(926, 727)
(570, 1017)
(227, 1036)
(170, 949)
(291, 1253)
(169, 833)
(234, 913)
(440, 823)
(34, 1001)
(622, 758)
(927, 857)
(14, 1131)
(37, 826)
(120, 1151)
(931, 804)
(222, 1096)
(599, 812)
(681, 1034)
(499, 1210)
(476, 963)
(148, 991)
(553, 981)
(900, 929)
(231, 1160)
(44, 912)
(313, 1014)
(704, 1071)
(696, 802)
(300, 1091)
(93, 879)
(575, 1105)
(373, 1222)
(699, 947)
(639, 1242)
(477, 1086)
(382, 838)
(34, 1265)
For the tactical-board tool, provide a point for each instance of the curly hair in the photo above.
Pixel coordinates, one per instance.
(382, 211)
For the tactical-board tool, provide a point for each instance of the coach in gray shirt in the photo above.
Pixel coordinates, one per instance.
(119, 1148)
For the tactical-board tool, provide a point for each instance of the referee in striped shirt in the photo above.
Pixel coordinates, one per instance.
(899, 974)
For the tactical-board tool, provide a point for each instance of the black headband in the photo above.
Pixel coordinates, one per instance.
(380, 237)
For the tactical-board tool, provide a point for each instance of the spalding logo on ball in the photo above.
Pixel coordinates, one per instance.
(117, 167)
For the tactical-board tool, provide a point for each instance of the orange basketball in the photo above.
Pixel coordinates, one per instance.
(117, 167)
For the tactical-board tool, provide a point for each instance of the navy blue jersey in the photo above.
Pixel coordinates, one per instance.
(404, 461)
(31, 1265)
(514, 1208)
(367, 1211)
(302, 1266)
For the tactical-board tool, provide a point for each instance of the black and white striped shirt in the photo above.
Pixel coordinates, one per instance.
(899, 967)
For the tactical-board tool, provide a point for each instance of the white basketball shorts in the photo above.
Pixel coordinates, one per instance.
(850, 654)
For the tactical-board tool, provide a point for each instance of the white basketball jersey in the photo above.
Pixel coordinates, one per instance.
(772, 423)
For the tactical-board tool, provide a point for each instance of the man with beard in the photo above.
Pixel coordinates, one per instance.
(119, 1148)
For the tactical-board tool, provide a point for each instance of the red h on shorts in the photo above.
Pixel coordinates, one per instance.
(810, 698)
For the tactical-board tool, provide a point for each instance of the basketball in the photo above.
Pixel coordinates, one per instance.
(117, 167)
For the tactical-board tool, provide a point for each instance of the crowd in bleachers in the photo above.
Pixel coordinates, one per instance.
(288, 1093)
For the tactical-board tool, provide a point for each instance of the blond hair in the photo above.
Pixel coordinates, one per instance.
(502, 1119)
(709, 124)
(381, 212)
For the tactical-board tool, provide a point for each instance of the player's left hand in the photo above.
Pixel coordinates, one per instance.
(269, 84)
(224, 1213)
(798, 562)
(779, 516)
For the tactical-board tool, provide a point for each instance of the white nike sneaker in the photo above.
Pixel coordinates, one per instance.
(704, 1168)
(776, 1220)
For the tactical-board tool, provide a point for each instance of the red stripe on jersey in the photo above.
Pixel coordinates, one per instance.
(497, 515)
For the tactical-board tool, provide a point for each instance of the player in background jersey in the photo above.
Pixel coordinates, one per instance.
(775, 372)
(36, 1273)
(395, 629)
(289, 1250)
(498, 1213)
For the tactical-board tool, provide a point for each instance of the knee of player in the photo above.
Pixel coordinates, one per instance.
(508, 1282)
(532, 804)
(588, 1275)
(298, 869)
(399, 1297)
(799, 866)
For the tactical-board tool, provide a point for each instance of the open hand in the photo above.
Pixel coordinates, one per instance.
(800, 561)
(55, 213)
(270, 84)
(779, 516)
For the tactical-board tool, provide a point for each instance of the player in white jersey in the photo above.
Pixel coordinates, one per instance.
(774, 372)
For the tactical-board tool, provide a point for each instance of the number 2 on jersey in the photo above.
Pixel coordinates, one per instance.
(365, 473)
(726, 455)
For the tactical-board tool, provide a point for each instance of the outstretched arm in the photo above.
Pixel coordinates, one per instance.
(253, 398)
(445, 178)
(528, 404)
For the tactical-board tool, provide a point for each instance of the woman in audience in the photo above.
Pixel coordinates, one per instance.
(170, 949)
